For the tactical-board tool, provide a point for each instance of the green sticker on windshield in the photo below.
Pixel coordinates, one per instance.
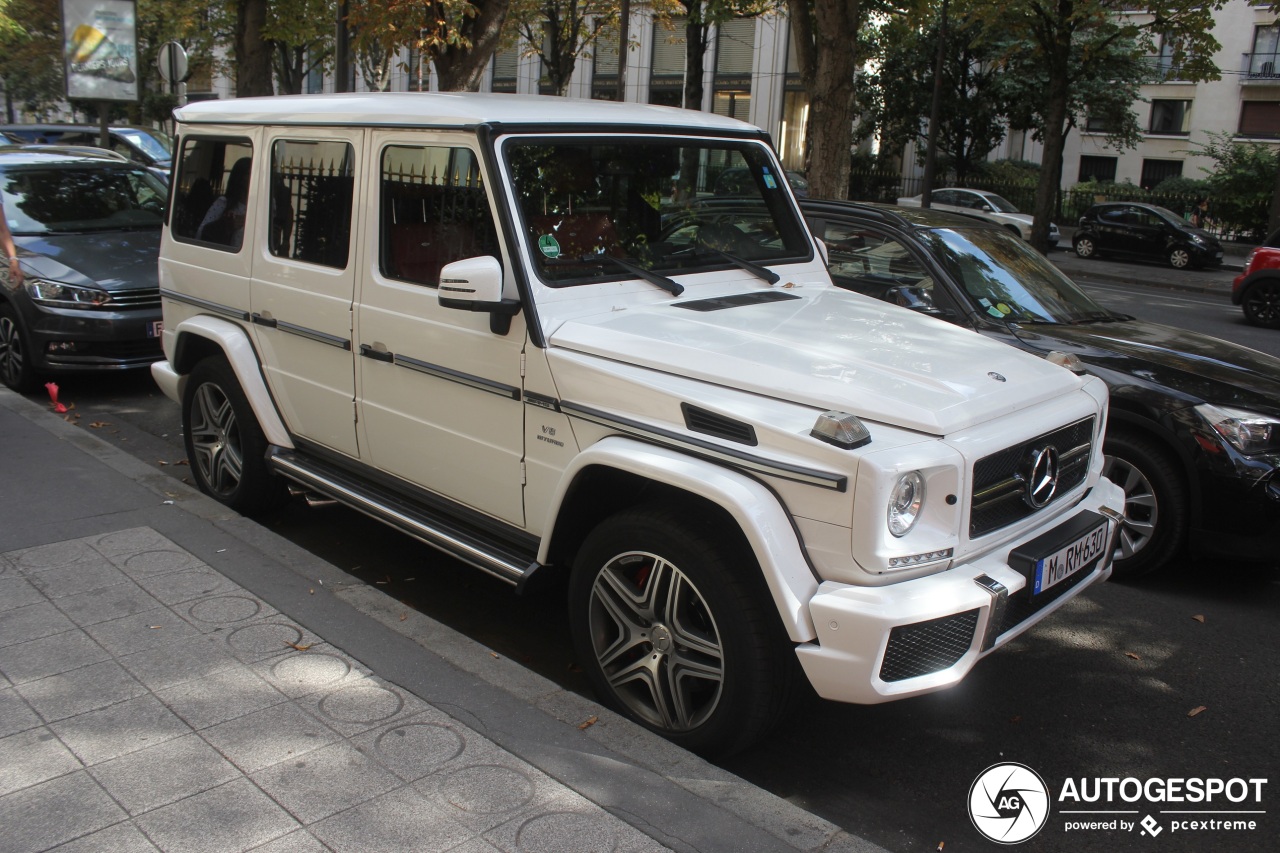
(1003, 309)
(548, 246)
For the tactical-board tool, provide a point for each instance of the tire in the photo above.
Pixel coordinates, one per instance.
(1261, 303)
(1085, 247)
(225, 446)
(15, 353)
(1155, 503)
(674, 627)
(1180, 258)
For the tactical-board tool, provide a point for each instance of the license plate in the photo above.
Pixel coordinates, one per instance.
(155, 328)
(1054, 569)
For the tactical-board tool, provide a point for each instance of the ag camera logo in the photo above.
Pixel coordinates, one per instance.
(1008, 803)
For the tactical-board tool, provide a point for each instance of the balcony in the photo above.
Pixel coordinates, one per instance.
(1261, 68)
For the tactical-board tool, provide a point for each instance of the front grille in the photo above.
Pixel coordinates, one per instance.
(999, 480)
(925, 647)
(148, 297)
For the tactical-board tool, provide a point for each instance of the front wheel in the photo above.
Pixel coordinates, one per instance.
(225, 445)
(1261, 304)
(1155, 503)
(15, 355)
(673, 625)
(1179, 257)
(1085, 247)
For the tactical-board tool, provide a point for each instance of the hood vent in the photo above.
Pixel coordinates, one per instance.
(719, 303)
(710, 423)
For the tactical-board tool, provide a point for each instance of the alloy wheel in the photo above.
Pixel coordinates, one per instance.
(1141, 509)
(1262, 304)
(215, 438)
(12, 357)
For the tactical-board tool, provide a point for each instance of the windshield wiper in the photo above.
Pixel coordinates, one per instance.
(743, 264)
(673, 287)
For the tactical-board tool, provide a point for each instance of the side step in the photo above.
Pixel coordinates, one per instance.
(465, 542)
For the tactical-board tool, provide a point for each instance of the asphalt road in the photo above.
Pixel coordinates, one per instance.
(1106, 688)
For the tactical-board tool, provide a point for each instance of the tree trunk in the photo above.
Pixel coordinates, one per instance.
(1055, 134)
(253, 55)
(695, 57)
(462, 69)
(822, 32)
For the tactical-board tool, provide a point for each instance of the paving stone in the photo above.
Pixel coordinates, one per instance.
(224, 611)
(485, 795)
(392, 823)
(359, 706)
(187, 584)
(233, 817)
(17, 591)
(320, 668)
(156, 562)
(54, 812)
(29, 561)
(119, 729)
(263, 738)
(219, 697)
(78, 691)
(163, 774)
(416, 747)
(31, 757)
(104, 605)
(15, 714)
(22, 624)
(121, 838)
(299, 841)
(268, 638)
(176, 662)
(77, 579)
(50, 655)
(121, 544)
(141, 631)
(325, 782)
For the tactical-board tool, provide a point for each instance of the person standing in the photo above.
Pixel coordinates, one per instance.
(10, 250)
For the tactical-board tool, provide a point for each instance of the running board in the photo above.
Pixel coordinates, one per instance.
(443, 532)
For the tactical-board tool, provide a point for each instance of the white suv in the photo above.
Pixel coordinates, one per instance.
(526, 331)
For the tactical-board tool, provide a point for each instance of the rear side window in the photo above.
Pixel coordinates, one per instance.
(310, 211)
(211, 192)
(434, 211)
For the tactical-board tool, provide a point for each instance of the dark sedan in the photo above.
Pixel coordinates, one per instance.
(1194, 430)
(1144, 231)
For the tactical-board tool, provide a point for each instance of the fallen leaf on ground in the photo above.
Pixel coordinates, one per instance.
(590, 721)
(1132, 655)
(99, 424)
(182, 462)
(312, 591)
(494, 655)
(404, 616)
(1198, 618)
(154, 627)
(1196, 710)
(161, 462)
(298, 646)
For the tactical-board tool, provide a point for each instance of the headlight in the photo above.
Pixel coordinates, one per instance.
(1198, 240)
(905, 503)
(1248, 432)
(66, 295)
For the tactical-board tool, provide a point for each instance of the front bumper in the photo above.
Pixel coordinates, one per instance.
(68, 339)
(885, 643)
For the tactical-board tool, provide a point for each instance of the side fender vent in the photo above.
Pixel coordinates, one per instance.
(710, 423)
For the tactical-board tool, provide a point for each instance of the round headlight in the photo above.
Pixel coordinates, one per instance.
(905, 503)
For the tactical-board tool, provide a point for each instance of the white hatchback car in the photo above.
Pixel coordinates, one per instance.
(984, 205)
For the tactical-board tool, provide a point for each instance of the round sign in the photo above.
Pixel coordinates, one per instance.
(172, 61)
(1009, 803)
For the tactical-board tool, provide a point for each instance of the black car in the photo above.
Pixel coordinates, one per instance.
(1193, 434)
(87, 231)
(1147, 231)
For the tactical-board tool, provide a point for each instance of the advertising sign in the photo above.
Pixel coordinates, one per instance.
(100, 49)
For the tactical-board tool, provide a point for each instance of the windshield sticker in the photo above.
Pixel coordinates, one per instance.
(769, 181)
(1004, 310)
(548, 246)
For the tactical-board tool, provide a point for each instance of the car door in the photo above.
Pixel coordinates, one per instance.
(1113, 228)
(440, 396)
(304, 281)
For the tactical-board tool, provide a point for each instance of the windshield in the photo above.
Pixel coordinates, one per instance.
(1010, 281)
(656, 203)
(51, 200)
(999, 203)
(155, 143)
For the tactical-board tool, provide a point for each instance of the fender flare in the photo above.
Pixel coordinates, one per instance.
(756, 509)
(232, 339)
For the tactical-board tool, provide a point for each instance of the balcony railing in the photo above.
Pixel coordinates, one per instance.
(1261, 66)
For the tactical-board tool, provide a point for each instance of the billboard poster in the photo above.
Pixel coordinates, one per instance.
(100, 48)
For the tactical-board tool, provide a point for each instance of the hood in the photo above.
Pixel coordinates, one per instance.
(829, 349)
(1196, 367)
(112, 260)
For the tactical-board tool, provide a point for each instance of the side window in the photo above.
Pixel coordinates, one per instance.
(1112, 216)
(310, 201)
(944, 197)
(211, 192)
(434, 211)
(871, 263)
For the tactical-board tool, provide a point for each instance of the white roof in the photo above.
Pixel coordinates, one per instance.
(445, 109)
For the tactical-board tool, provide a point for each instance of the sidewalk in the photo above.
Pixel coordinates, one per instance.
(175, 677)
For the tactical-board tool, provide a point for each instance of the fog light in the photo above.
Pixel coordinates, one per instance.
(62, 346)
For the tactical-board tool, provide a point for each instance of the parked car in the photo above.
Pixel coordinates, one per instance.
(87, 231)
(145, 145)
(983, 205)
(1194, 430)
(542, 361)
(734, 182)
(1257, 289)
(1144, 231)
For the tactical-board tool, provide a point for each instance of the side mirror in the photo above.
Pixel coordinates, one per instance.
(986, 207)
(475, 284)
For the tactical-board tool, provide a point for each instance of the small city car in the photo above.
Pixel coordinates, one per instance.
(87, 231)
(1146, 231)
(145, 145)
(983, 205)
(1257, 289)
(1194, 432)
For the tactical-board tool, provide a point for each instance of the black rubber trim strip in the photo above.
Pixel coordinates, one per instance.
(477, 382)
(259, 320)
(709, 450)
(314, 335)
(542, 401)
(208, 305)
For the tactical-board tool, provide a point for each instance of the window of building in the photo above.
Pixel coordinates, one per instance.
(1166, 66)
(506, 66)
(210, 198)
(1264, 61)
(1094, 168)
(735, 47)
(1096, 124)
(434, 211)
(604, 67)
(310, 212)
(1155, 171)
(1260, 119)
(1170, 117)
(666, 83)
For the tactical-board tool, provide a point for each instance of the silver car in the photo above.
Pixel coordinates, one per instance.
(983, 205)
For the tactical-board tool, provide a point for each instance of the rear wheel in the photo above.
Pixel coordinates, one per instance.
(673, 625)
(225, 446)
(1155, 503)
(1261, 303)
(15, 354)
(1085, 247)
(1180, 257)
